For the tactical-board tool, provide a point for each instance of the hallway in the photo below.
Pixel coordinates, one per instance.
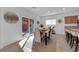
(56, 44)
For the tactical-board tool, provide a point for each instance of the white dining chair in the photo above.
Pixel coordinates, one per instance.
(24, 39)
(28, 44)
(37, 36)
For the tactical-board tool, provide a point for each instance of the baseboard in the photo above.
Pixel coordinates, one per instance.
(13, 41)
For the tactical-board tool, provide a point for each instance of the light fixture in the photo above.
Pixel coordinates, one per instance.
(34, 7)
(63, 9)
(48, 11)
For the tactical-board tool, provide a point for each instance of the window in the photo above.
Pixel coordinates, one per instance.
(51, 22)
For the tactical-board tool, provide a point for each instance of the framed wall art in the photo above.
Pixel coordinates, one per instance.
(11, 17)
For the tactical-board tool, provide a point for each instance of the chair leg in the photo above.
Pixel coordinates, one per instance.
(76, 45)
(72, 43)
(45, 38)
(70, 40)
(66, 38)
(41, 39)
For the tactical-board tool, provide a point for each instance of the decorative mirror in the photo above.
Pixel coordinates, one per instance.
(11, 17)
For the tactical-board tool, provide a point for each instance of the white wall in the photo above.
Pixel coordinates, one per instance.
(12, 32)
(35, 21)
(60, 27)
(36, 33)
(0, 33)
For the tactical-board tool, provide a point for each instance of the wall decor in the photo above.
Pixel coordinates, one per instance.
(11, 17)
(25, 24)
(31, 25)
(59, 21)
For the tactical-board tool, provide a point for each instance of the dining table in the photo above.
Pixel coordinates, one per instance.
(45, 32)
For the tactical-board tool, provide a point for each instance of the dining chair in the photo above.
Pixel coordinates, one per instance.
(47, 36)
(49, 33)
(28, 44)
(37, 36)
(42, 36)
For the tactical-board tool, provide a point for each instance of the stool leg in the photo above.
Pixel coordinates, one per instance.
(70, 40)
(67, 38)
(72, 43)
(76, 45)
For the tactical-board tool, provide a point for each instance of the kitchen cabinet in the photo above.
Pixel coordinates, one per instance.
(71, 19)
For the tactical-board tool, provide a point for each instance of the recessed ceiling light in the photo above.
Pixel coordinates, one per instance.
(34, 7)
(63, 8)
(48, 11)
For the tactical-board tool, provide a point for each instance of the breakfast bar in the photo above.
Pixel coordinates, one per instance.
(72, 37)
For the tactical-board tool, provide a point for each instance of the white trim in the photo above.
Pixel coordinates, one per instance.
(16, 39)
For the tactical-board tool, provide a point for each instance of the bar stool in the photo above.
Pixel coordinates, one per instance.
(68, 35)
(66, 32)
(74, 38)
(77, 42)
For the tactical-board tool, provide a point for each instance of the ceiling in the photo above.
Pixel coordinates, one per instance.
(44, 11)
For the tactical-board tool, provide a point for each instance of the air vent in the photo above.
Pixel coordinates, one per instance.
(34, 7)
